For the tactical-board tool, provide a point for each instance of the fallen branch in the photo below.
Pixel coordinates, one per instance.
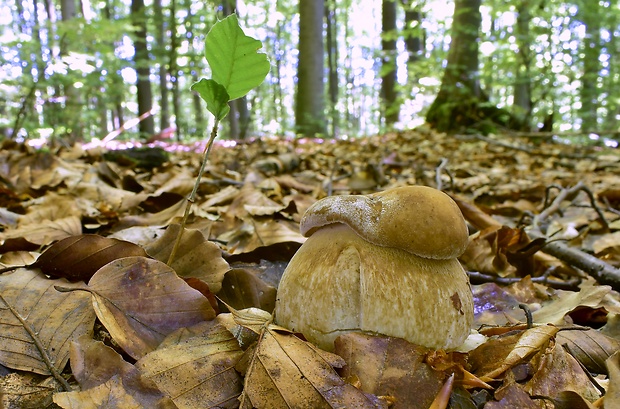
(603, 272)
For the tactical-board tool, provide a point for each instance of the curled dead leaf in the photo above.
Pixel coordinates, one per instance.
(79, 257)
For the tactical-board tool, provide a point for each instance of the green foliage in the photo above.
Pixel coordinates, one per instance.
(235, 64)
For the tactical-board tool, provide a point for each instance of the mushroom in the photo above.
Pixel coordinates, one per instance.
(384, 263)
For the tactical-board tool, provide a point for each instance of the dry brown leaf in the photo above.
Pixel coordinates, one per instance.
(30, 301)
(260, 232)
(513, 397)
(25, 391)
(392, 367)
(590, 295)
(196, 257)
(94, 363)
(612, 397)
(286, 372)
(163, 218)
(530, 342)
(243, 289)
(46, 232)
(590, 347)
(79, 257)
(251, 201)
(109, 395)
(571, 400)
(140, 301)
(557, 372)
(197, 371)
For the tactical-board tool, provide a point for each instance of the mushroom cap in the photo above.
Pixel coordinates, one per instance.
(418, 219)
(337, 283)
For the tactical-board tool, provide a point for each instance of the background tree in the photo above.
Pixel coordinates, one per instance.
(389, 92)
(310, 117)
(143, 69)
(461, 103)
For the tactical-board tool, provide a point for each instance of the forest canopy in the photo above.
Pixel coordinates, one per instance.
(80, 70)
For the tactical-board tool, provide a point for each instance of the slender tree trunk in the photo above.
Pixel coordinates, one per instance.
(143, 69)
(460, 103)
(310, 98)
(389, 93)
(590, 16)
(332, 64)
(523, 84)
(414, 33)
(164, 103)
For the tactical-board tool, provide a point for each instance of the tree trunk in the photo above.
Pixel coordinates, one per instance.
(310, 100)
(523, 83)
(414, 33)
(143, 69)
(460, 103)
(389, 94)
(160, 29)
(332, 66)
(590, 16)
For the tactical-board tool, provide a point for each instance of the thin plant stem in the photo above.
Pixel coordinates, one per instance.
(192, 196)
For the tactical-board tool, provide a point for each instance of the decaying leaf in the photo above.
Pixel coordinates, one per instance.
(243, 289)
(79, 257)
(94, 363)
(590, 347)
(196, 370)
(30, 307)
(140, 301)
(25, 391)
(284, 372)
(589, 295)
(612, 397)
(109, 395)
(529, 342)
(196, 257)
(392, 367)
(557, 372)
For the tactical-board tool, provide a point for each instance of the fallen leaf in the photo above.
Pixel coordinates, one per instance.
(530, 342)
(195, 257)
(79, 257)
(94, 363)
(25, 391)
(590, 347)
(243, 289)
(558, 371)
(197, 371)
(31, 308)
(393, 367)
(286, 372)
(612, 397)
(140, 301)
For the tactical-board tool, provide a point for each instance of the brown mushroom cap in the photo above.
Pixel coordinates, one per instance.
(418, 219)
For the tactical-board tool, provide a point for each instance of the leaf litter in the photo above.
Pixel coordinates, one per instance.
(543, 259)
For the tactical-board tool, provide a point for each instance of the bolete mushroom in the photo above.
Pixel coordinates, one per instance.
(384, 263)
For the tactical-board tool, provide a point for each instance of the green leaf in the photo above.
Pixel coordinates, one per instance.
(233, 57)
(215, 96)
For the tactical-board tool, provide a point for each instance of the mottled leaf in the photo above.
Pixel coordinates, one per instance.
(140, 301)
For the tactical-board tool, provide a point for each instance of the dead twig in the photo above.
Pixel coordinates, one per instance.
(479, 278)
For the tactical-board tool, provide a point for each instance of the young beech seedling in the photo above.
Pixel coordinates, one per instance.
(236, 68)
(385, 263)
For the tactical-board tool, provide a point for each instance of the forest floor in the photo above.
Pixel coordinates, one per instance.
(543, 260)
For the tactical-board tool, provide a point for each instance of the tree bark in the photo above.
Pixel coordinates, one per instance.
(389, 93)
(143, 69)
(332, 66)
(310, 98)
(461, 104)
(160, 27)
(523, 83)
(590, 16)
